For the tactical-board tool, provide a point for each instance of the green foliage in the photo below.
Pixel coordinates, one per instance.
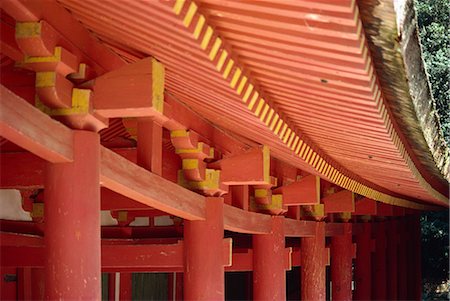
(434, 27)
(435, 251)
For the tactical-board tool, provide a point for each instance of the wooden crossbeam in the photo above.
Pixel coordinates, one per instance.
(32, 130)
(296, 228)
(131, 256)
(120, 175)
(8, 43)
(241, 221)
(28, 127)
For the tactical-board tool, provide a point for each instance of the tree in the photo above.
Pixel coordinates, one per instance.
(434, 20)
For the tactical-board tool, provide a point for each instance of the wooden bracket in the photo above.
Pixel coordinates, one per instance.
(194, 175)
(342, 201)
(141, 84)
(365, 206)
(305, 191)
(315, 212)
(270, 203)
(54, 65)
(250, 168)
(211, 186)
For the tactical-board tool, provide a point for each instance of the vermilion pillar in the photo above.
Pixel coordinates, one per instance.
(418, 243)
(402, 259)
(72, 223)
(379, 266)
(341, 264)
(149, 154)
(125, 286)
(363, 263)
(269, 274)
(204, 277)
(313, 265)
(415, 287)
(392, 261)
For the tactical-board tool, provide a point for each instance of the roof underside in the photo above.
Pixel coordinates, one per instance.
(309, 62)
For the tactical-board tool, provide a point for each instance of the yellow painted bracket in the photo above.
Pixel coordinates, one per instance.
(80, 104)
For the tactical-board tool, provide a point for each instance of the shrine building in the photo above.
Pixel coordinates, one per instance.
(215, 150)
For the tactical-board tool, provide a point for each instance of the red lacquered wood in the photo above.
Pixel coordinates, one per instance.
(363, 263)
(269, 275)
(379, 281)
(392, 260)
(149, 150)
(125, 286)
(414, 266)
(341, 264)
(26, 126)
(72, 229)
(403, 258)
(313, 265)
(203, 274)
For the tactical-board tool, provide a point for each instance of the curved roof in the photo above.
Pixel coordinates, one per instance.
(306, 78)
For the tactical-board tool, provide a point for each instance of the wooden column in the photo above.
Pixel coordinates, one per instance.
(392, 260)
(341, 264)
(402, 259)
(269, 274)
(312, 250)
(204, 277)
(363, 263)
(175, 287)
(379, 262)
(125, 286)
(415, 283)
(149, 148)
(72, 223)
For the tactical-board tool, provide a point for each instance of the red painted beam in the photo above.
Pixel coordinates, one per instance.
(296, 228)
(306, 191)
(123, 255)
(8, 42)
(342, 201)
(26, 126)
(120, 175)
(241, 221)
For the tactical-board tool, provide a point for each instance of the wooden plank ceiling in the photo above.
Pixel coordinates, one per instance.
(294, 75)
